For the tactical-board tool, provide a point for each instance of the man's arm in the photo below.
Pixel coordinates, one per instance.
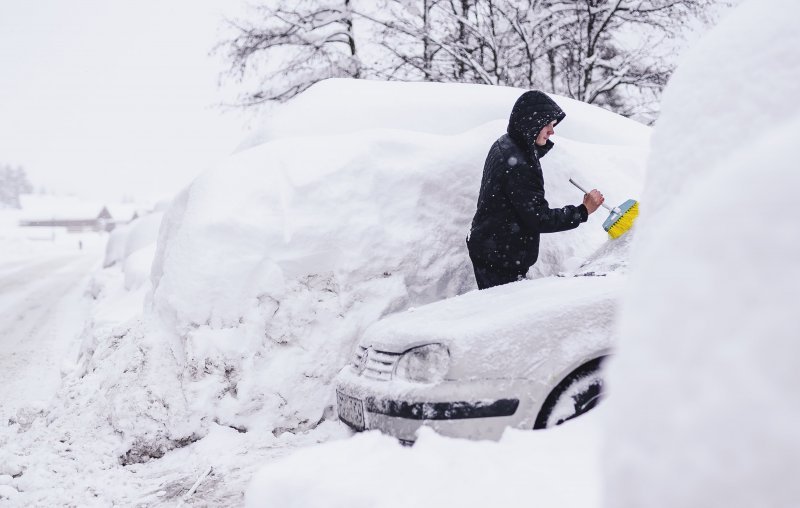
(528, 200)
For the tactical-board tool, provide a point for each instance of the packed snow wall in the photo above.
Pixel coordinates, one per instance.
(703, 408)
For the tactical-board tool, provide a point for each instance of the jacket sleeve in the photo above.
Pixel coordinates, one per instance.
(527, 198)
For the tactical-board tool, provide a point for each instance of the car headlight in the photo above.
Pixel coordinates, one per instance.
(424, 364)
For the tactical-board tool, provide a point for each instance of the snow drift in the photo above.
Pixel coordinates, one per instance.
(704, 408)
(553, 468)
(132, 246)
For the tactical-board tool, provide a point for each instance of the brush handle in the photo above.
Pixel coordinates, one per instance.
(576, 184)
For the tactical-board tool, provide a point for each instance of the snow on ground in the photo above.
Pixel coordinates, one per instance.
(559, 467)
(43, 276)
(40, 300)
(266, 270)
(704, 407)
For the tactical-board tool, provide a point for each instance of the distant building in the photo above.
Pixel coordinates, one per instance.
(75, 216)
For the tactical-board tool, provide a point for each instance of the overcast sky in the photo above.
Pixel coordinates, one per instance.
(106, 98)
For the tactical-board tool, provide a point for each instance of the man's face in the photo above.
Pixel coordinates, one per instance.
(545, 133)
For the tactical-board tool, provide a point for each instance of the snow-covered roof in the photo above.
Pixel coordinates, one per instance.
(37, 207)
(45, 207)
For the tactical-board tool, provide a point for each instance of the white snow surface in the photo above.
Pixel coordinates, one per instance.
(554, 468)
(703, 408)
(115, 246)
(126, 239)
(43, 275)
(133, 245)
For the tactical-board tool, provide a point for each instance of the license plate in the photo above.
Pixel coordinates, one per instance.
(351, 410)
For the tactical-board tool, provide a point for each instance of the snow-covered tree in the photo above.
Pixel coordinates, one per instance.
(447, 40)
(13, 182)
(614, 53)
(289, 45)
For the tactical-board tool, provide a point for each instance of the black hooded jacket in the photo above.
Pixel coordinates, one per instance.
(512, 210)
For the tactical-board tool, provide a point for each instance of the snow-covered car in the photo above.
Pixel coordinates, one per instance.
(525, 355)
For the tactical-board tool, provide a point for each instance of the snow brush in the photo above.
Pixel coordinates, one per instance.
(621, 218)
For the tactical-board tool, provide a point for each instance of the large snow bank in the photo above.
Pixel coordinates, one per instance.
(133, 247)
(704, 407)
(554, 468)
(269, 266)
(126, 239)
(346, 106)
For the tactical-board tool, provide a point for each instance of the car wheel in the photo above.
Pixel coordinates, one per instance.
(579, 392)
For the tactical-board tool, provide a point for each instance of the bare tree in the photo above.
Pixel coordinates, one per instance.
(290, 45)
(439, 40)
(407, 34)
(600, 48)
(596, 51)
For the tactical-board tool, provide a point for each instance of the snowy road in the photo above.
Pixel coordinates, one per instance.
(41, 314)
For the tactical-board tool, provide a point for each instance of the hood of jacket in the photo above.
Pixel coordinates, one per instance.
(532, 111)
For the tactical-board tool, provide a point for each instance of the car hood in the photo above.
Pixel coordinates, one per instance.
(510, 331)
(494, 319)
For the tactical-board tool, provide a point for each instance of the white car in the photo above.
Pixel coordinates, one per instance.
(524, 355)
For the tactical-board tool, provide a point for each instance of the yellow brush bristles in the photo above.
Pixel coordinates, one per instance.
(625, 222)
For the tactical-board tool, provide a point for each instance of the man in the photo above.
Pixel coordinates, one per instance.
(512, 211)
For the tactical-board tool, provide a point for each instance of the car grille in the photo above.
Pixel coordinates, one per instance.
(377, 365)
